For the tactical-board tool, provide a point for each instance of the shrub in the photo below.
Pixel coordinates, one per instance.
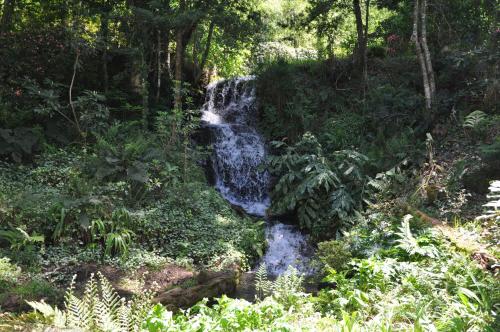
(178, 227)
(322, 191)
(334, 254)
(9, 273)
(100, 309)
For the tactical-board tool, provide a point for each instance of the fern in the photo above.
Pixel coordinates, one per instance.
(263, 287)
(286, 289)
(474, 120)
(410, 244)
(493, 205)
(100, 309)
(477, 123)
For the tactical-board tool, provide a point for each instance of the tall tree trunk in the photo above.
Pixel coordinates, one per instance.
(196, 63)
(7, 14)
(206, 52)
(168, 62)
(365, 44)
(427, 53)
(420, 55)
(179, 59)
(70, 94)
(362, 41)
(158, 66)
(104, 59)
(144, 90)
(360, 44)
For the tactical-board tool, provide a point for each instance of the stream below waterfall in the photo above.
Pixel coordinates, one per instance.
(229, 112)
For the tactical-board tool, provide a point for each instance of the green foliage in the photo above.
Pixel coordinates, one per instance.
(334, 254)
(294, 97)
(491, 152)
(323, 191)
(390, 287)
(476, 123)
(15, 293)
(20, 143)
(410, 244)
(493, 205)
(24, 247)
(263, 286)
(114, 234)
(9, 273)
(287, 289)
(178, 227)
(318, 97)
(99, 309)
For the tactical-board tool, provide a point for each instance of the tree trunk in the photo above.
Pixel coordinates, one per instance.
(427, 53)
(168, 57)
(7, 14)
(360, 44)
(179, 59)
(105, 37)
(196, 63)
(158, 66)
(70, 94)
(206, 52)
(365, 44)
(144, 90)
(420, 55)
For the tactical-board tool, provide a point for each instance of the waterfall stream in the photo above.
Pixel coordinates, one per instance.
(239, 151)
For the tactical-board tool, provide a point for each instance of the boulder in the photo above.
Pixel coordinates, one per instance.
(208, 285)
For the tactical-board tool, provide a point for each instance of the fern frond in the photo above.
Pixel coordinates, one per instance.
(474, 120)
(262, 283)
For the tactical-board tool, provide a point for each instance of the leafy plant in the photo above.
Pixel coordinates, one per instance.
(99, 309)
(113, 234)
(322, 191)
(334, 254)
(24, 246)
(286, 289)
(20, 143)
(263, 286)
(476, 123)
(412, 245)
(9, 273)
(493, 206)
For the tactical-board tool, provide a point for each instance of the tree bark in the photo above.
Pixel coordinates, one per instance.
(158, 66)
(428, 93)
(7, 14)
(104, 59)
(206, 52)
(144, 90)
(179, 59)
(427, 53)
(360, 44)
(70, 94)
(168, 57)
(365, 44)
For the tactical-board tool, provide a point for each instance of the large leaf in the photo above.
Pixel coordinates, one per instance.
(138, 172)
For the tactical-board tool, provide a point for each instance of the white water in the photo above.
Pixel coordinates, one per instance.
(239, 151)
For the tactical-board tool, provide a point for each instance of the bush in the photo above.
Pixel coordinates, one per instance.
(323, 191)
(179, 224)
(9, 273)
(334, 254)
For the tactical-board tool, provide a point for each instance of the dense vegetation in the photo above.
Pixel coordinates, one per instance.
(384, 129)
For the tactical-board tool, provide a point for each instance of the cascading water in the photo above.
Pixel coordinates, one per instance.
(239, 150)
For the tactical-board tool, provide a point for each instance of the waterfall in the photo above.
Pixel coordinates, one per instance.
(229, 112)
